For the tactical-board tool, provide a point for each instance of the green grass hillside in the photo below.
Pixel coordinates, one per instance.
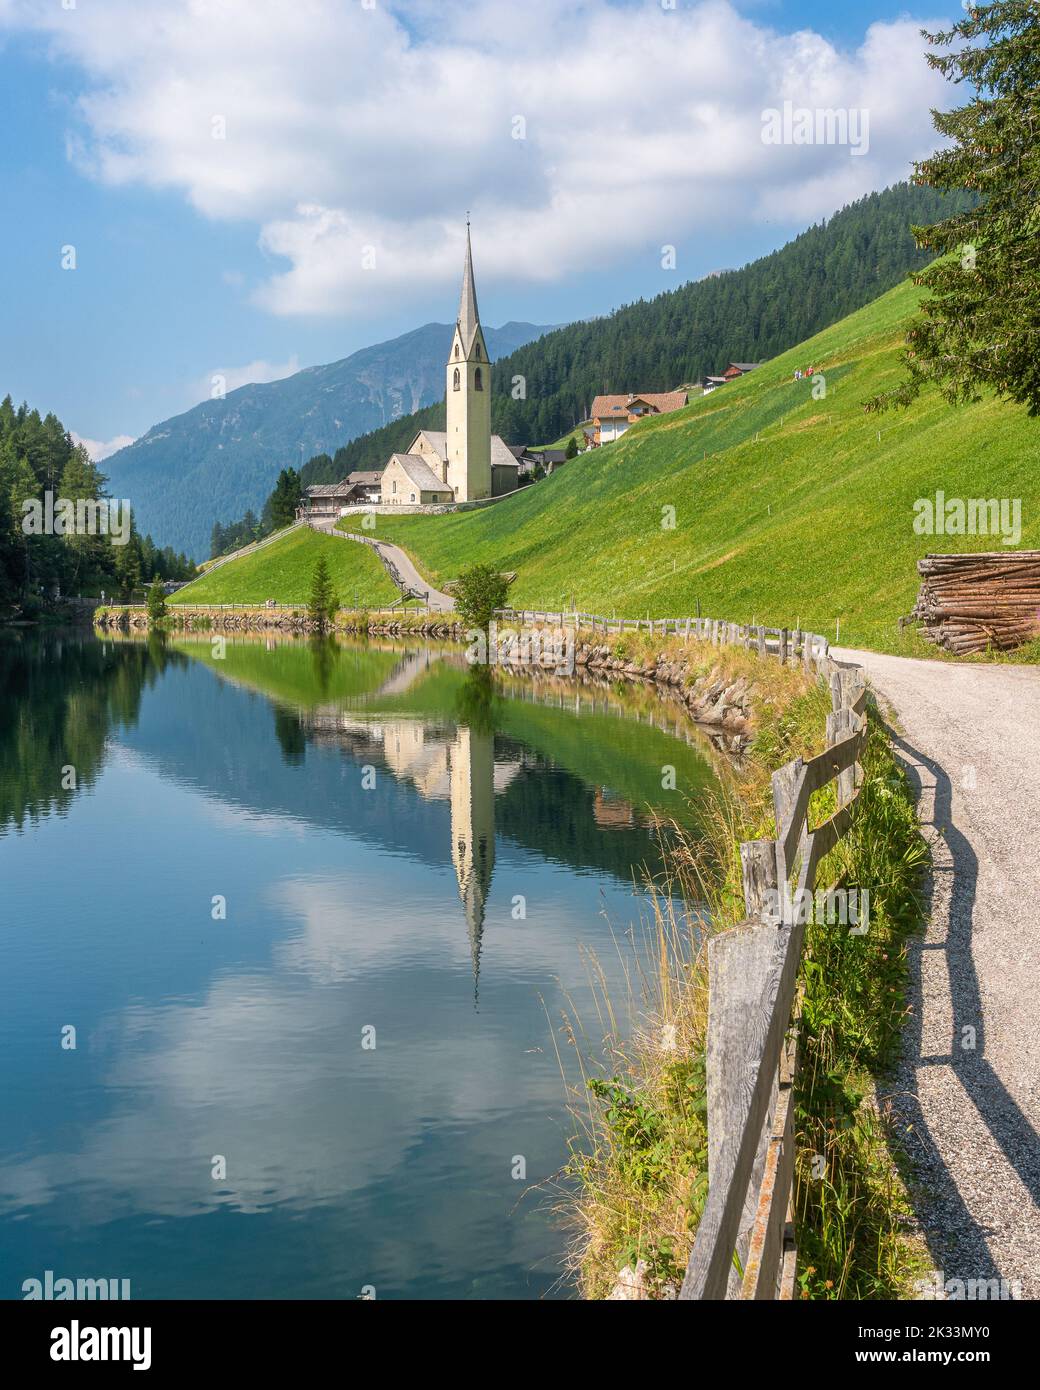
(296, 675)
(785, 507)
(283, 571)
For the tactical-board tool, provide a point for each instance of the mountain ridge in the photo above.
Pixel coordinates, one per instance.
(220, 457)
(752, 314)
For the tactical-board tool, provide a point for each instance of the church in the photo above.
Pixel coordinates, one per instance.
(464, 462)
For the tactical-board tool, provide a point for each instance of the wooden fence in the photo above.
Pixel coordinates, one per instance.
(787, 644)
(253, 546)
(745, 1246)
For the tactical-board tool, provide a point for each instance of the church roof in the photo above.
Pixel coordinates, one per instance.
(437, 439)
(420, 473)
(501, 454)
(469, 317)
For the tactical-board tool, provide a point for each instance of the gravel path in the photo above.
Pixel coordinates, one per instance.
(402, 571)
(968, 1093)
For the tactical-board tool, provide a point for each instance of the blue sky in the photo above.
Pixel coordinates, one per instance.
(371, 125)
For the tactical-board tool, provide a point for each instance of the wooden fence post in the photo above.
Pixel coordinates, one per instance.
(741, 965)
(758, 871)
(839, 725)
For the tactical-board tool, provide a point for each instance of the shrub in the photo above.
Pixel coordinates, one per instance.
(156, 603)
(478, 593)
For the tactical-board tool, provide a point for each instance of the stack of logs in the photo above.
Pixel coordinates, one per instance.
(971, 602)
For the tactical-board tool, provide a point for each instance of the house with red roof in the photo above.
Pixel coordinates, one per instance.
(611, 416)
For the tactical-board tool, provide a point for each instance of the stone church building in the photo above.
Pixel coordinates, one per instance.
(463, 463)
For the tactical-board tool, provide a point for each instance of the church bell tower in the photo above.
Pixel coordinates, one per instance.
(468, 445)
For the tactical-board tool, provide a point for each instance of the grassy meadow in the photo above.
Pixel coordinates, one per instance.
(786, 508)
(282, 571)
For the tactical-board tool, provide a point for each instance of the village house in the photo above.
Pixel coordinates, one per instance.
(733, 372)
(611, 416)
(546, 459)
(327, 500)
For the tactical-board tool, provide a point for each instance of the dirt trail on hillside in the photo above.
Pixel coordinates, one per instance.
(967, 1096)
(401, 569)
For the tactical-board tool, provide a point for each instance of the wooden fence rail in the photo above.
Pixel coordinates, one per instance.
(745, 1245)
(788, 644)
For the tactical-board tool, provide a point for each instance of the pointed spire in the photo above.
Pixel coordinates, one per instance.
(469, 318)
(474, 895)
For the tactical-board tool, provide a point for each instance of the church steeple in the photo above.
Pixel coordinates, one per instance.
(467, 465)
(469, 317)
(471, 771)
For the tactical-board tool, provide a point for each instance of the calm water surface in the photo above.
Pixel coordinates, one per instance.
(399, 849)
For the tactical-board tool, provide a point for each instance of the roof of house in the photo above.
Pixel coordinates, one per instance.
(607, 407)
(365, 476)
(328, 489)
(745, 366)
(419, 472)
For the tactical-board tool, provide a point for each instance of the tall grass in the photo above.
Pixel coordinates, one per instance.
(853, 1213)
(639, 1155)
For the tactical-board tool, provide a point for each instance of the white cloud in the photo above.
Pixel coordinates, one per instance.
(101, 449)
(349, 128)
(230, 378)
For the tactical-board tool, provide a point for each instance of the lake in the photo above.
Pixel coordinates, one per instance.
(315, 915)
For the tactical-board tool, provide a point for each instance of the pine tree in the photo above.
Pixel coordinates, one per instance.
(280, 507)
(128, 569)
(323, 602)
(980, 325)
(7, 550)
(23, 489)
(81, 482)
(156, 603)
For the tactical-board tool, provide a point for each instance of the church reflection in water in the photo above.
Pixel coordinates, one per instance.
(443, 764)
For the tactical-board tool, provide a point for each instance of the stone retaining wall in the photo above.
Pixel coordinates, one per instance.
(277, 620)
(711, 699)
